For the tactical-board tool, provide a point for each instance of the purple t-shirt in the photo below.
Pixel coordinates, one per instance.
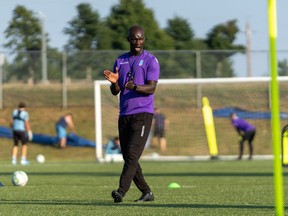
(242, 125)
(142, 68)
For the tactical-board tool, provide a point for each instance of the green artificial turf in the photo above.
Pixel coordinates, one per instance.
(84, 188)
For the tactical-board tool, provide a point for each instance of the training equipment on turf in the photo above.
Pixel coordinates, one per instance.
(40, 158)
(19, 178)
(285, 146)
(113, 158)
(275, 109)
(174, 185)
(44, 139)
(209, 127)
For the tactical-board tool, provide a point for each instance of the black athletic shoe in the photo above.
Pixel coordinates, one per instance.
(117, 196)
(146, 197)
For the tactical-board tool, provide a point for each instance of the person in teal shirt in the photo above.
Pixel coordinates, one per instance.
(61, 126)
(20, 128)
(113, 146)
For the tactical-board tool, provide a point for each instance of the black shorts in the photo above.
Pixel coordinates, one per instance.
(19, 136)
(159, 132)
(249, 135)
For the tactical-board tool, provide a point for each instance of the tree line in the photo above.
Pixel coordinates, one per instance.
(88, 35)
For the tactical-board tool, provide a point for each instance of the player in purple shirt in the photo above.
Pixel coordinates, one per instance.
(135, 77)
(246, 132)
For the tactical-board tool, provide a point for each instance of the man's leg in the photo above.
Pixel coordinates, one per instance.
(135, 136)
(250, 149)
(163, 144)
(15, 148)
(250, 141)
(14, 154)
(24, 151)
(241, 147)
(24, 160)
(123, 130)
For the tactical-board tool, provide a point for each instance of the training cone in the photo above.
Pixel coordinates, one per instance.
(174, 185)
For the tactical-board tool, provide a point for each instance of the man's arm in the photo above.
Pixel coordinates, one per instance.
(11, 122)
(114, 88)
(70, 123)
(28, 129)
(148, 88)
(27, 125)
(113, 78)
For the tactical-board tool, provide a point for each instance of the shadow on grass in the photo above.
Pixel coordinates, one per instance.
(193, 174)
(147, 205)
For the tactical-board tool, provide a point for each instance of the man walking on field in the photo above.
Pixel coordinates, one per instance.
(135, 77)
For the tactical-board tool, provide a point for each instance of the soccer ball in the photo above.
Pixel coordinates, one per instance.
(19, 178)
(40, 158)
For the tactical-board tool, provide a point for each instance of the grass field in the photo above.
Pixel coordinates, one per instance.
(84, 188)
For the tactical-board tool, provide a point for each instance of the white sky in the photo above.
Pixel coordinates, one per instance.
(202, 16)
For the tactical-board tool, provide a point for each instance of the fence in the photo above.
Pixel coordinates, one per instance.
(70, 76)
(67, 72)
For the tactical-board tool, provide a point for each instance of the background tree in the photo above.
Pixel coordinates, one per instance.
(283, 67)
(24, 34)
(87, 33)
(183, 62)
(85, 30)
(222, 37)
(181, 33)
(132, 12)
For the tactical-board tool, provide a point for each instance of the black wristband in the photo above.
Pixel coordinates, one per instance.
(135, 87)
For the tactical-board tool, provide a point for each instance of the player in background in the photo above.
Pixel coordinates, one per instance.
(61, 126)
(135, 77)
(113, 146)
(246, 131)
(160, 124)
(20, 127)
